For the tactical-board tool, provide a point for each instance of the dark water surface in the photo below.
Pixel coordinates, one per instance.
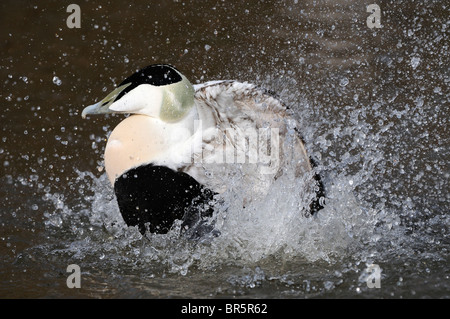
(373, 105)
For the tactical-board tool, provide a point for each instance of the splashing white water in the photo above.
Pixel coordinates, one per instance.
(272, 226)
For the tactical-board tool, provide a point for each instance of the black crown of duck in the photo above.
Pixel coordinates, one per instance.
(157, 75)
(157, 159)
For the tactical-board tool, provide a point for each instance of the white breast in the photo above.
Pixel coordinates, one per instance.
(141, 139)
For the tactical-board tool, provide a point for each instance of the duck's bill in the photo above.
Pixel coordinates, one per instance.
(93, 109)
(103, 107)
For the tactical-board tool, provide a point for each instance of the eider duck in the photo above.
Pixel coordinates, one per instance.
(169, 159)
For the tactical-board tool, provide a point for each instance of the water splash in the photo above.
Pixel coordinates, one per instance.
(273, 226)
(269, 240)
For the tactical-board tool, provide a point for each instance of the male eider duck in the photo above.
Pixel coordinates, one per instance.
(169, 159)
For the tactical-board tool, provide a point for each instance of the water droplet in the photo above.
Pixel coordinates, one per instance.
(415, 61)
(328, 285)
(343, 82)
(57, 81)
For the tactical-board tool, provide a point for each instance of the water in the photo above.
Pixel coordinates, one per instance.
(373, 106)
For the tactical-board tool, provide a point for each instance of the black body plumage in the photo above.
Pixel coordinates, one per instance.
(154, 197)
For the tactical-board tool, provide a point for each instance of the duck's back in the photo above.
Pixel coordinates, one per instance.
(248, 127)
